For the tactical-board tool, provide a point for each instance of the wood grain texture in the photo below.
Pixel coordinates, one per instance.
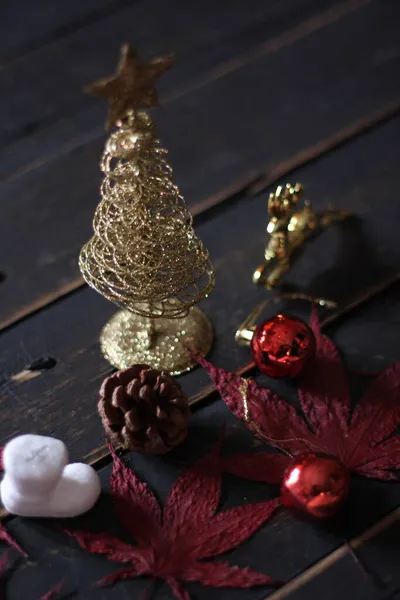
(29, 25)
(76, 119)
(234, 141)
(204, 36)
(338, 264)
(263, 91)
(239, 190)
(284, 547)
(369, 573)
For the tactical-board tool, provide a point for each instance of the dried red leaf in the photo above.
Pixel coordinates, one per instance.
(221, 574)
(136, 506)
(195, 496)
(365, 441)
(324, 393)
(3, 562)
(256, 466)
(178, 590)
(272, 414)
(4, 535)
(53, 592)
(173, 541)
(232, 527)
(112, 547)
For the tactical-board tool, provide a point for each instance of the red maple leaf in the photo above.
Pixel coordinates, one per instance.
(4, 535)
(3, 562)
(54, 592)
(364, 439)
(173, 542)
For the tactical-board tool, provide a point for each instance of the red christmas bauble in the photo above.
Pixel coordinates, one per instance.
(316, 485)
(282, 346)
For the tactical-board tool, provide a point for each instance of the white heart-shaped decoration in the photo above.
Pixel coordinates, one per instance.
(39, 482)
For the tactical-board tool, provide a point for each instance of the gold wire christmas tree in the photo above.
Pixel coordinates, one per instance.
(144, 255)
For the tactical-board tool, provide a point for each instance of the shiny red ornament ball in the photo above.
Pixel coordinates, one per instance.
(282, 346)
(316, 485)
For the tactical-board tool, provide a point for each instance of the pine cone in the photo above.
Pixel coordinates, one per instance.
(144, 410)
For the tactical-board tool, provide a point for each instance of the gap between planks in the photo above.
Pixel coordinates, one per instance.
(304, 29)
(99, 454)
(63, 31)
(332, 558)
(251, 185)
(99, 457)
(290, 37)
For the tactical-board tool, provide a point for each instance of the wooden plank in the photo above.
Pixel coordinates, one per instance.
(203, 36)
(46, 22)
(55, 557)
(247, 187)
(66, 190)
(382, 292)
(283, 547)
(338, 264)
(371, 571)
(333, 319)
(67, 118)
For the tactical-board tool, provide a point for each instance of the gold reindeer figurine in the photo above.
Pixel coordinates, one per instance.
(288, 231)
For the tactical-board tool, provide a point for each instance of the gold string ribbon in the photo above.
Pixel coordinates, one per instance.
(273, 442)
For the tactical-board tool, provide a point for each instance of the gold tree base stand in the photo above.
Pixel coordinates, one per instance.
(128, 339)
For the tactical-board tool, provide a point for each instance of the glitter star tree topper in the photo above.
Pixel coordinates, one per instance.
(144, 255)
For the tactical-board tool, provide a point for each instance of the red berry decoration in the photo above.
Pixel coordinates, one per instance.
(316, 485)
(282, 346)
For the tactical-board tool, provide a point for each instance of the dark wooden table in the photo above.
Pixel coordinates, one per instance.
(263, 92)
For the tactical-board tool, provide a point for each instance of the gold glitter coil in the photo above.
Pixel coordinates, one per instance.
(144, 255)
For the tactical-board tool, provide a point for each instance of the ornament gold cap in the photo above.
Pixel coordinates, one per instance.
(245, 331)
